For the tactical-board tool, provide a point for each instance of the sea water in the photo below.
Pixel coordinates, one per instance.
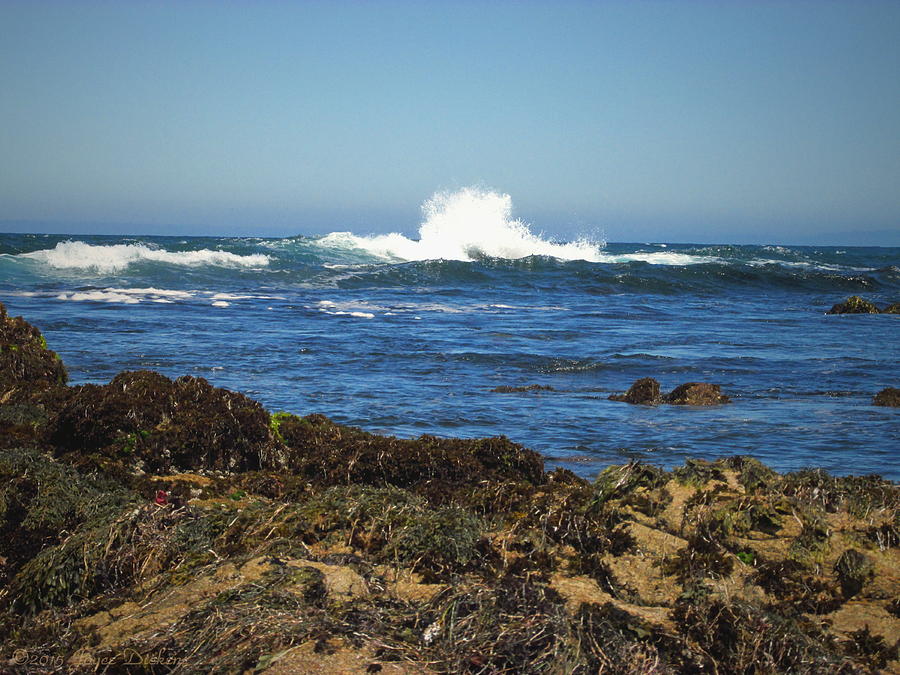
(410, 335)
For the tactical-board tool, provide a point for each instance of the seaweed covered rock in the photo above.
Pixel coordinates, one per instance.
(697, 393)
(893, 308)
(888, 397)
(854, 305)
(41, 500)
(644, 391)
(27, 367)
(507, 389)
(853, 570)
(20, 423)
(146, 421)
(332, 454)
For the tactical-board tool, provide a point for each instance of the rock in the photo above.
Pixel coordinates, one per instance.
(506, 389)
(893, 308)
(889, 397)
(19, 423)
(146, 421)
(644, 391)
(697, 393)
(854, 570)
(27, 367)
(326, 453)
(854, 305)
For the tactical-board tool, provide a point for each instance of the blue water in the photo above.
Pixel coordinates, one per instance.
(373, 332)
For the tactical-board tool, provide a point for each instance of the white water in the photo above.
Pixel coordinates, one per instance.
(77, 255)
(465, 225)
(472, 223)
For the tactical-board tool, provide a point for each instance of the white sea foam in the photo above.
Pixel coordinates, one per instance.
(660, 258)
(465, 225)
(78, 255)
(354, 309)
(99, 296)
(128, 296)
(472, 223)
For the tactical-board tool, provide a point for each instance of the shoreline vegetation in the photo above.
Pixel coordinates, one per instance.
(160, 526)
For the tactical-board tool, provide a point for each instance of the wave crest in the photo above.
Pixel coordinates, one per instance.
(78, 255)
(467, 224)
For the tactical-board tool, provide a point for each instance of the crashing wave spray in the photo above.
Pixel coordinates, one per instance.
(465, 225)
(78, 255)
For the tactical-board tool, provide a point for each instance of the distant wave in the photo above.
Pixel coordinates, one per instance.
(473, 224)
(467, 224)
(78, 255)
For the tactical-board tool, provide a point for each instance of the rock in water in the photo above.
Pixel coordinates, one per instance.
(644, 391)
(697, 393)
(893, 308)
(27, 367)
(854, 305)
(889, 397)
(506, 389)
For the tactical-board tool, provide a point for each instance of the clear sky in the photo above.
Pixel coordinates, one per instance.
(671, 121)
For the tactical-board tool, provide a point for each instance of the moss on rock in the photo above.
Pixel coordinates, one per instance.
(27, 367)
(888, 397)
(327, 453)
(144, 419)
(854, 305)
(644, 391)
(697, 393)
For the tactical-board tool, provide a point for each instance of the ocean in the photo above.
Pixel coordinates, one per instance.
(412, 335)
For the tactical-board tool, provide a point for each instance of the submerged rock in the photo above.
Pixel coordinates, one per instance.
(147, 421)
(889, 397)
(854, 305)
(644, 391)
(27, 367)
(697, 393)
(506, 389)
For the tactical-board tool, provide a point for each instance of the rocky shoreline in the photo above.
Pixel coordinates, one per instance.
(158, 526)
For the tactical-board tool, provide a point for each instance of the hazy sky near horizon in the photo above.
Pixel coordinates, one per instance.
(671, 121)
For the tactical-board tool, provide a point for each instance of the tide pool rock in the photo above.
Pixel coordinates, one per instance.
(697, 393)
(27, 367)
(854, 305)
(144, 420)
(644, 391)
(325, 453)
(888, 397)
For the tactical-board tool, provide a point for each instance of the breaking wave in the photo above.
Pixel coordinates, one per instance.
(467, 224)
(78, 255)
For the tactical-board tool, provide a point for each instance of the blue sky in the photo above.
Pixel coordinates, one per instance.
(677, 121)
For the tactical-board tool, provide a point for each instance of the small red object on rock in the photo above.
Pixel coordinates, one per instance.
(161, 498)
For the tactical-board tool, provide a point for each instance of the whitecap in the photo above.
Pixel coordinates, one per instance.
(109, 259)
(465, 225)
